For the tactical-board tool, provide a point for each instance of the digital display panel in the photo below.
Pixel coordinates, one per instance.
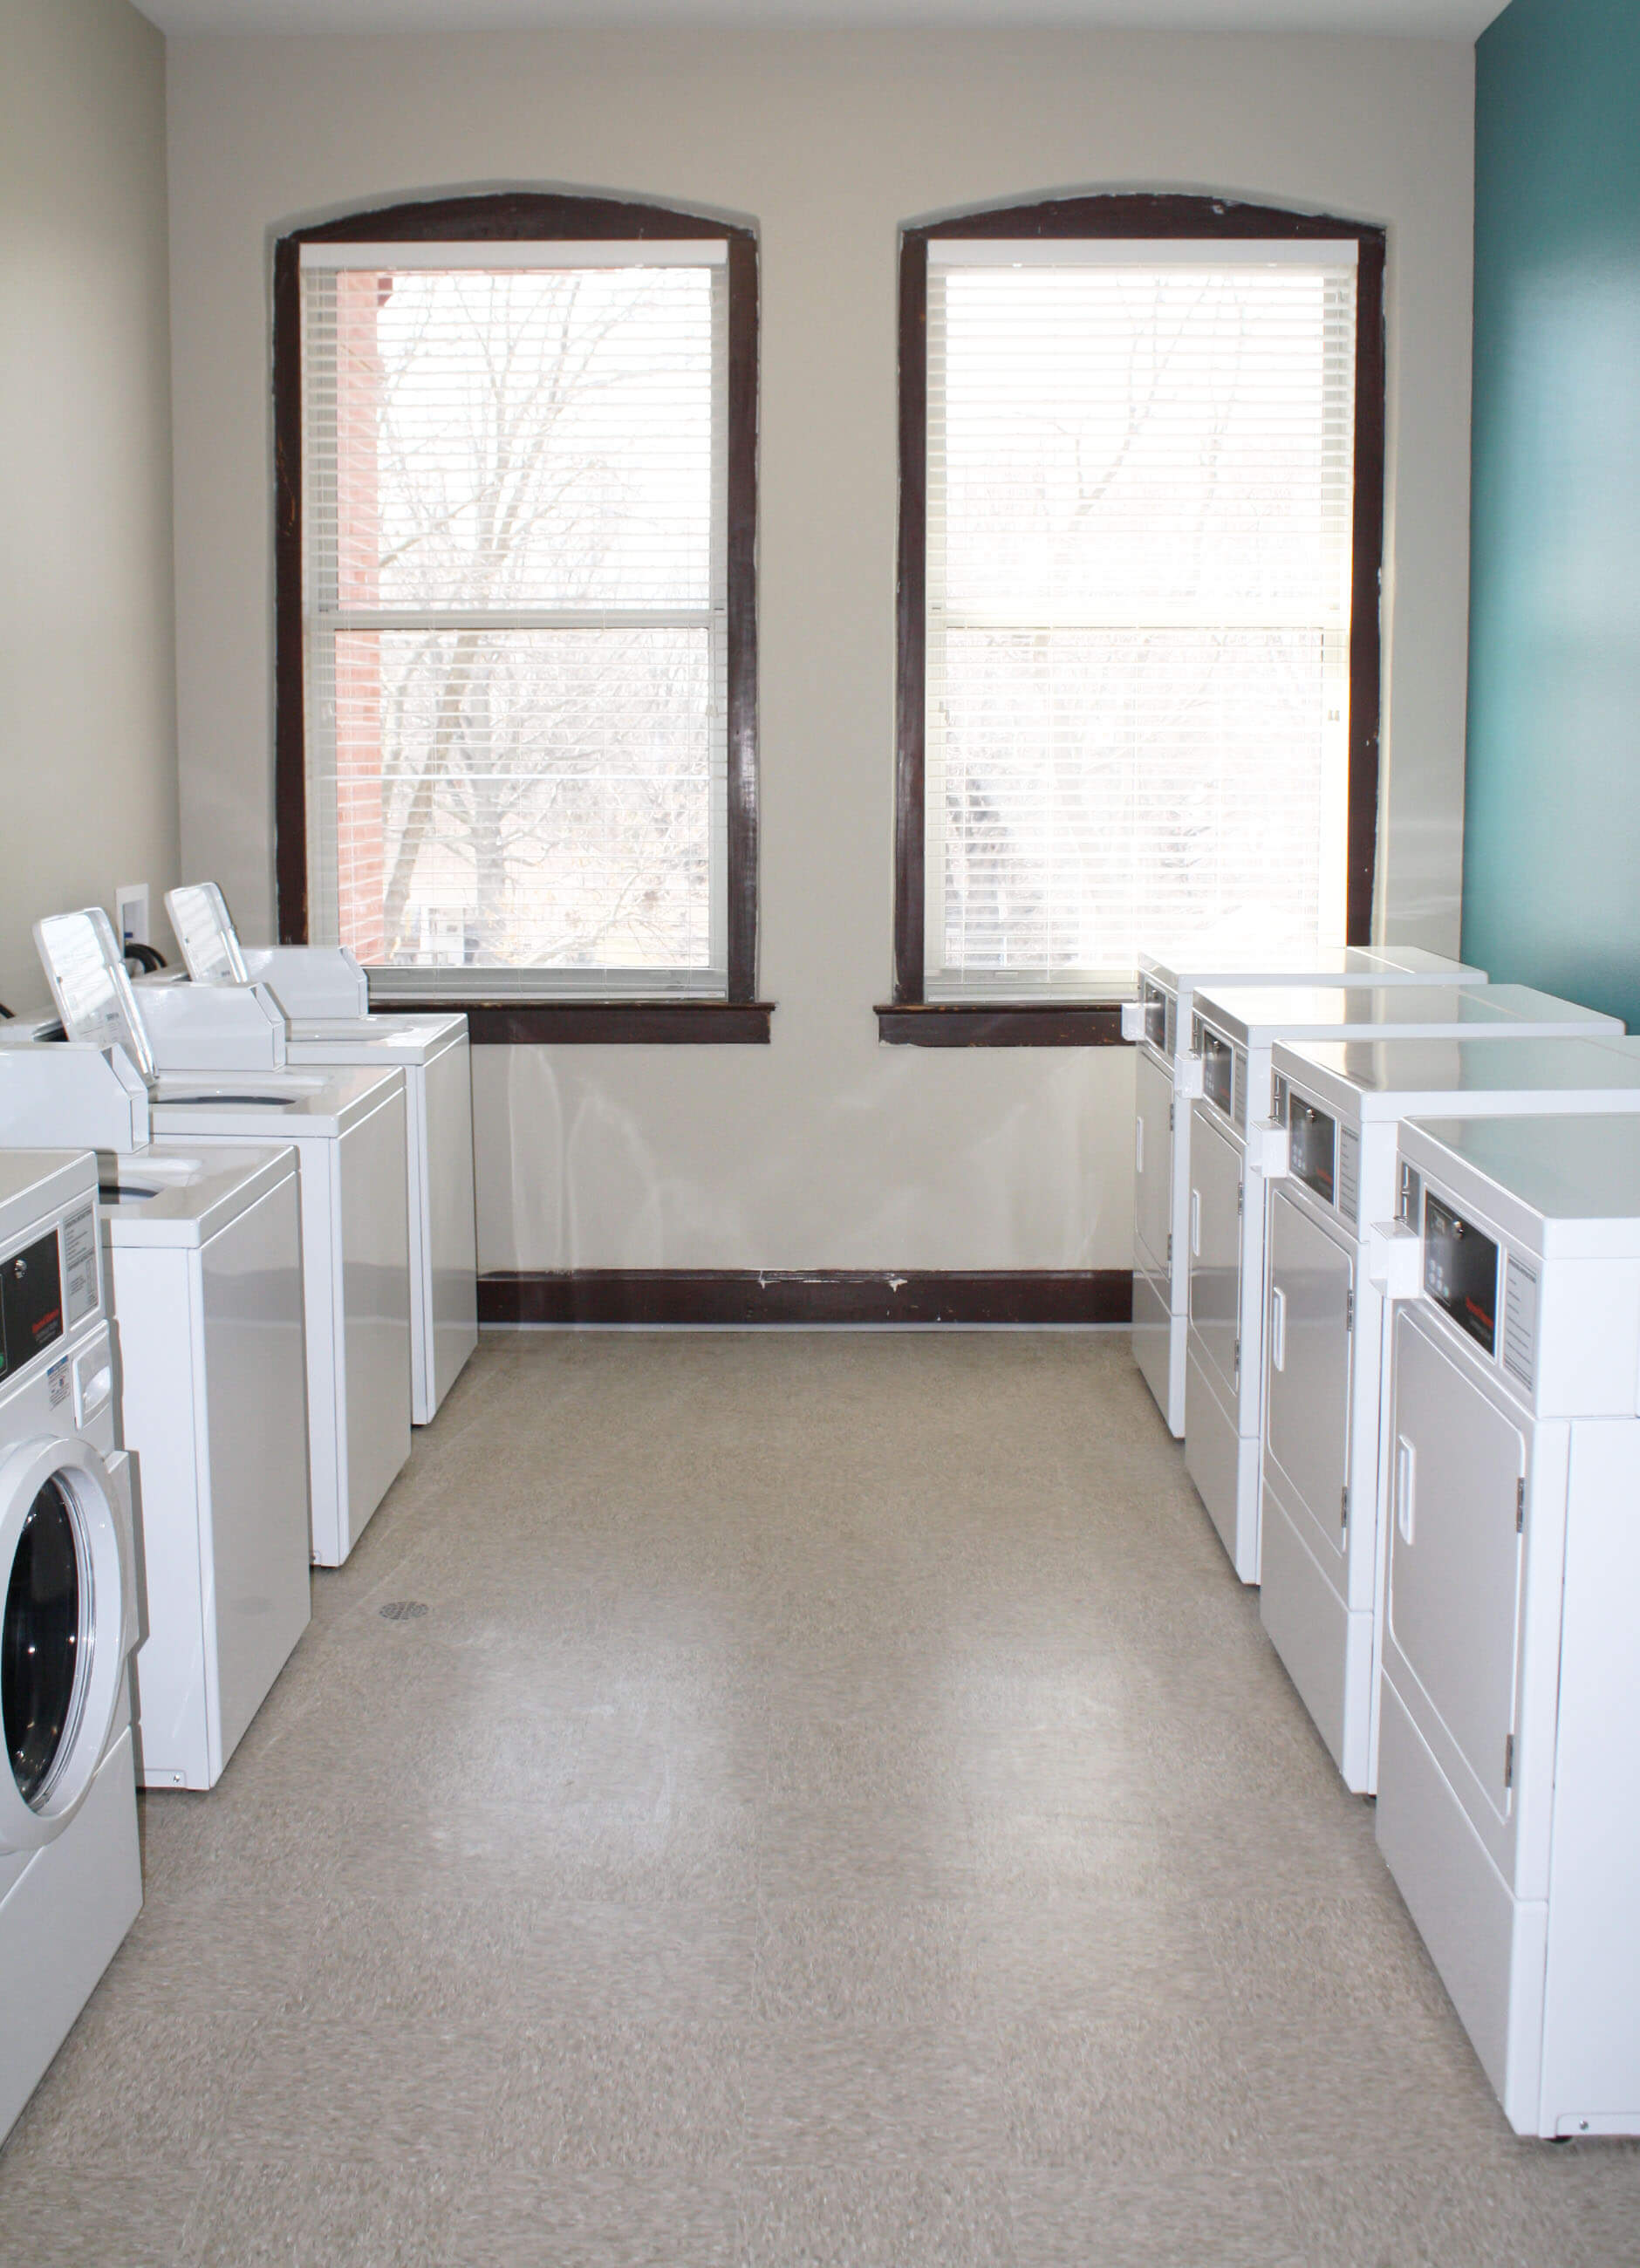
(1460, 1271)
(1312, 1147)
(1219, 1070)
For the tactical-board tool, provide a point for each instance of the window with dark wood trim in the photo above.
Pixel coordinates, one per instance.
(729, 1010)
(911, 1017)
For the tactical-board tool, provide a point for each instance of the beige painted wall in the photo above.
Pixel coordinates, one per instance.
(823, 1150)
(87, 700)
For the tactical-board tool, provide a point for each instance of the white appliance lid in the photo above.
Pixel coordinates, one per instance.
(87, 972)
(1409, 1077)
(205, 931)
(1584, 1170)
(168, 1194)
(1352, 964)
(267, 1106)
(371, 1039)
(1316, 1011)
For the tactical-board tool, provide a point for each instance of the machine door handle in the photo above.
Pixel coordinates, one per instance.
(1406, 1470)
(1195, 1223)
(1278, 1328)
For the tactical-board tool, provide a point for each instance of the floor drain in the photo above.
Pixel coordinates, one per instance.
(402, 1611)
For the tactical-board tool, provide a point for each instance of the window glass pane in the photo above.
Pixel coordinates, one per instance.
(1140, 508)
(524, 439)
(1102, 788)
(524, 799)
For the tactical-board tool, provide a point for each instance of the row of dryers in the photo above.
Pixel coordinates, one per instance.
(1401, 1340)
(258, 1268)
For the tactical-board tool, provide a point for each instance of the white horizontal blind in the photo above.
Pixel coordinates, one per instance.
(1140, 482)
(514, 590)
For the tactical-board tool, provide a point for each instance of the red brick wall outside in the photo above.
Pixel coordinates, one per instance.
(361, 853)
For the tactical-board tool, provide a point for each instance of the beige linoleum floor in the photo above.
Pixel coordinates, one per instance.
(837, 1805)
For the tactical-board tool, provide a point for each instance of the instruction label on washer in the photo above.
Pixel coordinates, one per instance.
(79, 1255)
(1349, 1172)
(58, 1384)
(1521, 1321)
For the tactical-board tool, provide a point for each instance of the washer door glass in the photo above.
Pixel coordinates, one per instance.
(41, 1643)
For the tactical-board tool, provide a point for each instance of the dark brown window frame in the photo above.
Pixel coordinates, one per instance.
(739, 1016)
(910, 1019)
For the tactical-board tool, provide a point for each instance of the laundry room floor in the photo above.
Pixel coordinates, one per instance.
(784, 1799)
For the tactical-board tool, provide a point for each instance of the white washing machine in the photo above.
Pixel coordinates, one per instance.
(204, 1250)
(335, 1029)
(348, 1128)
(1338, 1249)
(1509, 1770)
(71, 1879)
(1168, 1077)
(1231, 1136)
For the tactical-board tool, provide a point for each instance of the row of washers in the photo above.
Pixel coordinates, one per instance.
(285, 1310)
(1302, 1202)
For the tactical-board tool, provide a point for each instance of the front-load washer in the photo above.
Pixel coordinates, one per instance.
(331, 1029)
(348, 1128)
(1341, 1240)
(1509, 1772)
(71, 1879)
(1231, 1137)
(204, 1250)
(1167, 1079)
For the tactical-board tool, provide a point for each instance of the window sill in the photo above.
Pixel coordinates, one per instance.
(1001, 1024)
(600, 1023)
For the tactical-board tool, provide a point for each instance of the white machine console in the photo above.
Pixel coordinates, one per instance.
(1236, 1137)
(71, 1879)
(1508, 1773)
(306, 980)
(242, 1029)
(1341, 1242)
(1168, 1077)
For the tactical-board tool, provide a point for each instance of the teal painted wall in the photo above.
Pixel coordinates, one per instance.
(1552, 814)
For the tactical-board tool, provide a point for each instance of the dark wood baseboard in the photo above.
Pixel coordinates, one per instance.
(750, 1296)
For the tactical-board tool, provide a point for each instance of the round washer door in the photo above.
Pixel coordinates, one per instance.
(64, 1631)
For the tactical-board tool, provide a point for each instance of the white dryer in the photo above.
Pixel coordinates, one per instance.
(348, 1128)
(71, 1879)
(1232, 1137)
(1168, 1076)
(203, 1251)
(1341, 1242)
(1509, 1770)
(330, 1025)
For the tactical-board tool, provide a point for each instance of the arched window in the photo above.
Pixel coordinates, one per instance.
(515, 452)
(1142, 473)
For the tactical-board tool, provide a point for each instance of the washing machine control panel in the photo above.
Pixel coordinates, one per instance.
(1313, 1138)
(1224, 1071)
(1155, 1011)
(1460, 1270)
(31, 1302)
(47, 1286)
